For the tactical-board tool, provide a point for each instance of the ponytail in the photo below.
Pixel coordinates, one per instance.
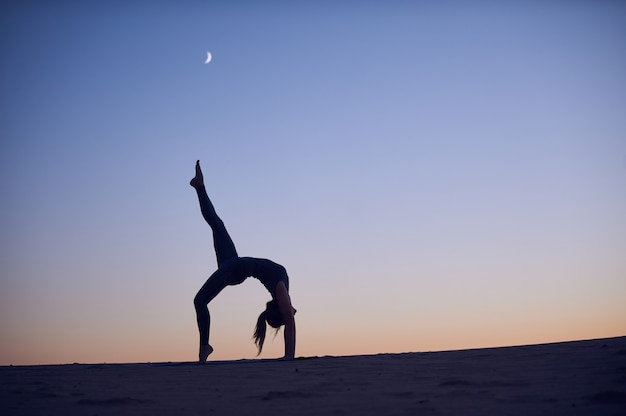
(272, 316)
(259, 332)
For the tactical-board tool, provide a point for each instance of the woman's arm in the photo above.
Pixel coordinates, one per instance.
(287, 311)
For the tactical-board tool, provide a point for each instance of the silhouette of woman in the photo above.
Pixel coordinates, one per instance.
(233, 270)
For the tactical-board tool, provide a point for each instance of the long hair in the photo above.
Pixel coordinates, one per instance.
(273, 317)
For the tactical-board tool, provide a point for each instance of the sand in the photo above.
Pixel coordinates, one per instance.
(572, 378)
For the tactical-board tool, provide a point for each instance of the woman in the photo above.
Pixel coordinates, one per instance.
(233, 270)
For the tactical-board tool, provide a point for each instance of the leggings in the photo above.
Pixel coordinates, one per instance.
(224, 251)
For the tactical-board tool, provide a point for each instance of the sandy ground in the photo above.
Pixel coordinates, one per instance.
(573, 378)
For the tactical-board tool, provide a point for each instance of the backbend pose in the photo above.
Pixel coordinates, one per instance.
(233, 270)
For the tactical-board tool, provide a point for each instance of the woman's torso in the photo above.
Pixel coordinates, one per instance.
(268, 272)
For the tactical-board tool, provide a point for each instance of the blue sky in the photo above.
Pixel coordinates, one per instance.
(434, 175)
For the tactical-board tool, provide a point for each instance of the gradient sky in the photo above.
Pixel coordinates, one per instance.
(434, 175)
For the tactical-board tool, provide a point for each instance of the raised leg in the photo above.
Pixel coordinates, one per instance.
(223, 244)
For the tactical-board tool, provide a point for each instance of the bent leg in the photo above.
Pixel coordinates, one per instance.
(211, 288)
(224, 246)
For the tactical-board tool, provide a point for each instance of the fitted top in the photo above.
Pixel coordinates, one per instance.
(268, 272)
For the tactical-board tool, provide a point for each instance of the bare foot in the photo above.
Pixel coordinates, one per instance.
(197, 180)
(205, 351)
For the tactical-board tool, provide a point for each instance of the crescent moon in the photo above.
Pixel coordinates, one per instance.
(208, 57)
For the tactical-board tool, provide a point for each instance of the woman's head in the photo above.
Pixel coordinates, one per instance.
(273, 317)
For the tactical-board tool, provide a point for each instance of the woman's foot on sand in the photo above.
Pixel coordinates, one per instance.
(198, 180)
(205, 351)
